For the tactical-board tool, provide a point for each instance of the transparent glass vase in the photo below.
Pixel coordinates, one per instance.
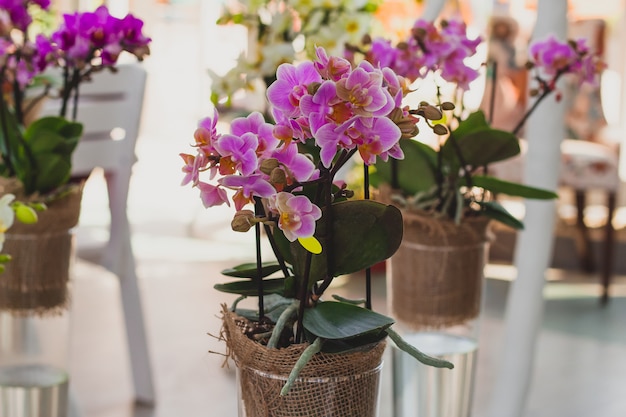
(357, 395)
(35, 325)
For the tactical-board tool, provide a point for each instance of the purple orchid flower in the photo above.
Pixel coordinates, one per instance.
(247, 188)
(212, 195)
(238, 153)
(255, 123)
(290, 86)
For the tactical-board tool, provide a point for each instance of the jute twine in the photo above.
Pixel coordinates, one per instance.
(35, 281)
(343, 384)
(436, 276)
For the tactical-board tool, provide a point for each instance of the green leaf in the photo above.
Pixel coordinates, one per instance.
(475, 121)
(249, 270)
(480, 147)
(416, 172)
(249, 288)
(12, 145)
(499, 186)
(54, 170)
(496, 211)
(365, 232)
(48, 146)
(333, 320)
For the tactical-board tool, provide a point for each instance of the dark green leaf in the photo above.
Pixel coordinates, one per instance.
(416, 172)
(248, 270)
(54, 170)
(498, 186)
(496, 211)
(475, 121)
(249, 288)
(365, 232)
(480, 147)
(333, 320)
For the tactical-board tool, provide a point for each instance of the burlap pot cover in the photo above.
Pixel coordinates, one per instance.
(345, 384)
(435, 278)
(35, 281)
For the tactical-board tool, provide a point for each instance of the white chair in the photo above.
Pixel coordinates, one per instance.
(585, 166)
(110, 108)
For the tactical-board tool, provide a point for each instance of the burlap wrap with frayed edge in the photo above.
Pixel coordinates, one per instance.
(36, 279)
(435, 278)
(345, 384)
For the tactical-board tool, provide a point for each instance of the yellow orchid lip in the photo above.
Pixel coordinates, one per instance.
(311, 244)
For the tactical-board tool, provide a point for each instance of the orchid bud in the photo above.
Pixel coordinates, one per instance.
(38, 206)
(269, 165)
(278, 177)
(242, 221)
(25, 214)
(446, 105)
(432, 113)
(440, 130)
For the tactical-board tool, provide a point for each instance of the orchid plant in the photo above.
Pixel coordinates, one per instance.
(283, 31)
(451, 180)
(35, 153)
(325, 113)
(39, 155)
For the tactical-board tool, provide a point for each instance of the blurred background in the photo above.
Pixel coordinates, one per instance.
(180, 247)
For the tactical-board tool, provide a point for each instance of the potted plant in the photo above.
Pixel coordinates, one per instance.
(300, 352)
(445, 192)
(35, 169)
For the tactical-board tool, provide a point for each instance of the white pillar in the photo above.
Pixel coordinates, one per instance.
(432, 9)
(524, 314)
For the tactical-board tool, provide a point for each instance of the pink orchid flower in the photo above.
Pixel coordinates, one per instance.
(290, 86)
(296, 215)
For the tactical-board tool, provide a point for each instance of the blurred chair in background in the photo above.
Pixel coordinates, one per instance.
(110, 109)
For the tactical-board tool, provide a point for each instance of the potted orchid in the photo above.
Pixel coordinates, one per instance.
(445, 192)
(282, 31)
(36, 151)
(300, 352)
(35, 170)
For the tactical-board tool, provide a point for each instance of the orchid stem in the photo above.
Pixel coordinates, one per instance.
(258, 208)
(368, 271)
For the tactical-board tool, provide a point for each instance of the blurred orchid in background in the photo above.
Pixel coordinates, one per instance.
(282, 31)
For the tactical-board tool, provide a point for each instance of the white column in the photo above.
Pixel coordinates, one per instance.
(524, 314)
(433, 9)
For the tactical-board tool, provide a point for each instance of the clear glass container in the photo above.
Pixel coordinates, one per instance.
(346, 396)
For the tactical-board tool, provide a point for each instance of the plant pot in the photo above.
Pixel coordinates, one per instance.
(434, 288)
(436, 276)
(34, 314)
(342, 384)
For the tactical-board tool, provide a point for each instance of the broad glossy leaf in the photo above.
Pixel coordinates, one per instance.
(416, 172)
(249, 288)
(365, 232)
(480, 147)
(511, 188)
(475, 121)
(248, 270)
(274, 306)
(54, 170)
(334, 320)
(496, 211)
(49, 143)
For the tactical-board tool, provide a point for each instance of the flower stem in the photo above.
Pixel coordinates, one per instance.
(368, 271)
(258, 208)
